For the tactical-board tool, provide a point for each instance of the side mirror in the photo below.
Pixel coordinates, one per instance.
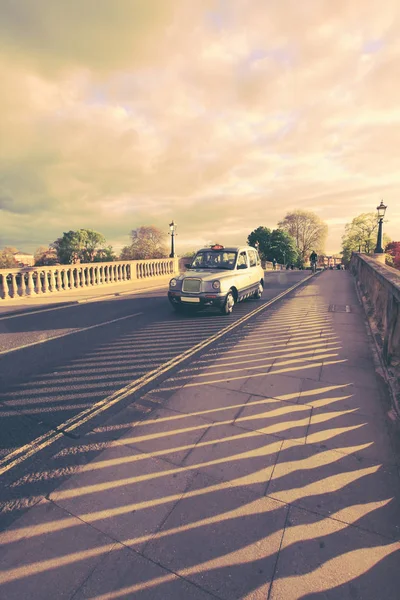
(188, 265)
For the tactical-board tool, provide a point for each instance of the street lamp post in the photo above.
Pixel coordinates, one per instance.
(381, 213)
(172, 228)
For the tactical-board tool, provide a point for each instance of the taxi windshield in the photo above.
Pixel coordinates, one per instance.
(214, 259)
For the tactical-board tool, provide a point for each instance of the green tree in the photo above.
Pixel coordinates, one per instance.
(78, 246)
(105, 255)
(308, 231)
(282, 247)
(147, 242)
(7, 260)
(261, 237)
(361, 235)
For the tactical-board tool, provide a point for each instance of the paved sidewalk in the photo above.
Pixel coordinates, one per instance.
(87, 294)
(264, 470)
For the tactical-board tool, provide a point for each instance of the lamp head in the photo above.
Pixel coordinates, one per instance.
(381, 210)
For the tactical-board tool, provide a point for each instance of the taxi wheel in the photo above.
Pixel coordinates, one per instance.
(229, 303)
(258, 292)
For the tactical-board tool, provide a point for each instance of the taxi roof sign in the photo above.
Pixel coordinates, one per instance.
(217, 247)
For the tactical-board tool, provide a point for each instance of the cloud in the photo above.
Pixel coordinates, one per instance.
(221, 115)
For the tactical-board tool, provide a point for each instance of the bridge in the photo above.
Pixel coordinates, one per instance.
(148, 454)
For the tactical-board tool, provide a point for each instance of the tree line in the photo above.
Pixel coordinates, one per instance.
(87, 245)
(297, 235)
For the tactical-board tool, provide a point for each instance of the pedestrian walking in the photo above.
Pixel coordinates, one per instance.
(274, 264)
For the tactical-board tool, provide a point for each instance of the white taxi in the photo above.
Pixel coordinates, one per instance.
(218, 277)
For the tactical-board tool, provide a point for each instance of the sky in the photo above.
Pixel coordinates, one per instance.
(222, 115)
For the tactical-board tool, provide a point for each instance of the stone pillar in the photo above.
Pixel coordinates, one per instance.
(31, 286)
(5, 291)
(14, 287)
(59, 281)
(38, 283)
(45, 282)
(22, 286)
(380, 257)
(53, 286)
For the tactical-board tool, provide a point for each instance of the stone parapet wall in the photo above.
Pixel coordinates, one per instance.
(380, 285)
(33, 281)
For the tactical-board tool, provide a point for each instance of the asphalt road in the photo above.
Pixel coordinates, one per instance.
(56, 364)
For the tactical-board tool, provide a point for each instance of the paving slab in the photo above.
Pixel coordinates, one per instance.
(41, 550)
(125, 574)
(281, 387)
(275, 417)
(323, 558)
(167, 434)
(210, 402)
(355, 491)
(124, 493)
(336, 397)
(343, 429)
(239, 457)
(223, 540)
(341, 372)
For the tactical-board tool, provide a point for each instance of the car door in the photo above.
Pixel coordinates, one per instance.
(254, 275)
(242, 276)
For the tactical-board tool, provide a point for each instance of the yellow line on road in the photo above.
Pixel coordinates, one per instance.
(47, 439)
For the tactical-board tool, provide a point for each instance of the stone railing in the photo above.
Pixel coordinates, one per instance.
(380, 285)
(33, 281)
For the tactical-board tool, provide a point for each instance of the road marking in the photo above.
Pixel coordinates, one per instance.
(76, 303)
(61, 335)
(49, 438)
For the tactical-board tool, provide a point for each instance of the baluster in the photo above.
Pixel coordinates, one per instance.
(30, 286)
(52, 281)
(5, 291)
(65, 276)
(59, 281)
(38, 283)
(22, 285)
(14, 287)
(45, 282)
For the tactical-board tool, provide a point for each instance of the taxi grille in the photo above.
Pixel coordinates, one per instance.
(191, 285)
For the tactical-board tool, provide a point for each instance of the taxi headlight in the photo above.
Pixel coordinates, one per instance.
(216, 285)
(172, 283)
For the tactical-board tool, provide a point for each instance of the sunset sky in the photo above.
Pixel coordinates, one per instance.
(220, 114)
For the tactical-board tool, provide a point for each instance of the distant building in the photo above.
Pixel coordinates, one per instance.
(330, 261)
(23, 259)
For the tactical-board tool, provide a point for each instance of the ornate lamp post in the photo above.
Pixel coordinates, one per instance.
(381, 213)
(172, 228)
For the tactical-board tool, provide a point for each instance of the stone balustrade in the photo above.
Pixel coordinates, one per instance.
(33, 281)
(380, 285)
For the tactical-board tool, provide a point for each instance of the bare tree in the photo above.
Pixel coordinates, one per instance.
(308, 231)
(147, 242)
